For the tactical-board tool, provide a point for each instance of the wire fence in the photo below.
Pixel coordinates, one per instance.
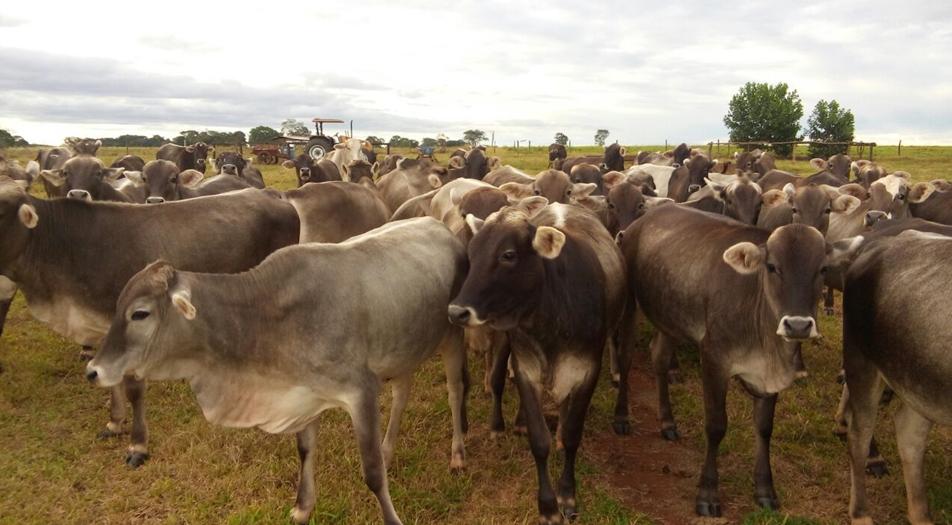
(860, 149)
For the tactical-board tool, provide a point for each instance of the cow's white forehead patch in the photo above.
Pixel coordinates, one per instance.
(893, 184)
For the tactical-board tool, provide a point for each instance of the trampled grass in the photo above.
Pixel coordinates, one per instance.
(54, 470)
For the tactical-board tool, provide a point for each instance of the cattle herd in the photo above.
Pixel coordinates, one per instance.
(272, 307)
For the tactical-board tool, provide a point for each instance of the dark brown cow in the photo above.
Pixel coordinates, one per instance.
(588, 174)
(232, 163)
(161, 182)
(361, 172)
(557, 153)
(389, 164)
(690, 177)
(84, 177)
(129, 163)
(896, 332)
(309, 170)
(192, 157)
(746, 296)
(532, 269)
(612, 160)
(471, 164)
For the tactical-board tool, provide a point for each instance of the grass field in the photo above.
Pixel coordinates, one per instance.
(54, 470)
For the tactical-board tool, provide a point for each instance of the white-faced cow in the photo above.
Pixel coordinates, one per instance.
(551, 278)
(192, 157)
(747, 297)
(896, 333)
(292, 357)
(347, 152)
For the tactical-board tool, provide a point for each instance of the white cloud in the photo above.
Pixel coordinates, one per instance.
(655, 73)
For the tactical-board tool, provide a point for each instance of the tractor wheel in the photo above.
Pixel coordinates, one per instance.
(265, 158)
(318, 147)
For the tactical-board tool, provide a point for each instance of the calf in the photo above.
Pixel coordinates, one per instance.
(553, 280)
(102, 244)
(232, 163)
(129, 163)
(191, 157)
(896, 332)
(84, 177)
(746, 296)
(254, 361)
(161, 182)
(307, 170)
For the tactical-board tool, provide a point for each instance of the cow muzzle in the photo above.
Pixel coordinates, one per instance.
(155, 200)
(874, 216)
(81, 195)
(797, 328)
(229, 169)
(464, 316)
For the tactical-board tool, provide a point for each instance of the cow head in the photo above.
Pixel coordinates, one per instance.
(557, 152)
(588, 174)
(790, 266)
(554, 185)
(82, 146)
(480, 204)
(614, 158)
(506, 255)
(742, 199)
(230, 163)
(360, 172)
(812, 205)
(389, 164)
(890, 196)
(304, 167)
(699, 167)
(17, 217)
(153, 318)
(162, 181)
(82, 177)
(627, 200)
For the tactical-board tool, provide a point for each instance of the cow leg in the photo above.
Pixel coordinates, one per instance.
(662, 348)
(875, 463)
(613, 363)
(117, 413)
(570, 431)
(364, 415)
(865, 392)
(764, 492)
(828, 301)
(500, 371)
(306, 495)
(715, 426)
(400, 387)
(627, 337)
(8, 289)
(912, 433)
(841, 425)
(139, 449)
(454, 361)
(540, 440)
(674, 370)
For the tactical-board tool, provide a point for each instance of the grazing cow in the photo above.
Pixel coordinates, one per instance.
(552, 278)
(347, 152)
(689, 177)
(896, 333)
(161, 181)
(85, 177)
(412, 177)
(307, 170)
(933, 204)
(811, 205)
(554, 185)
(557, 154)
(867, 172)
(103, 244)
(129, 163)
(740, 199)
(335, 211)
(746, 296)
(191, 157)
(293, 358)
(232, 163)
(80, 146)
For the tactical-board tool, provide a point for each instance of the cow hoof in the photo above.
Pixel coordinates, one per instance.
(622, 428)
(457, 464)
(109, 433)
(768, 502)
(877, 468)
(840, 432)
(300, 516)
(865, 520)
(708, 509)
(670, 434)
(674, 377)
(136, 459)
(554, 519)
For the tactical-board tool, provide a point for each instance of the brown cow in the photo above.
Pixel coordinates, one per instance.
(552, 184)
(192, 157)
(309, 170)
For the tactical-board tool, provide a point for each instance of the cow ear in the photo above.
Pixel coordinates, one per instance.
(651, 202)
(134, 176)
(773, 198)
(818, 164)
(494, 163)
(854, 189)
(474, 223)
(744, 257)
(98, 143)
(612, 179)
(717, 187)
(790, 191)
(736, 154)
(516, 190)
(548, 242)
(842, 251)
(191, 178)
(902, 175)
(622, 151)
(182, 301)
(28, 216)
(940, 184)
(375, 170)
(582, 190)
(533, 205)
(434, 180)
(457, 163)
(289, 164)
(345, 172)
(54, 177)
(113, 174)
(845, 204)
(921, 191)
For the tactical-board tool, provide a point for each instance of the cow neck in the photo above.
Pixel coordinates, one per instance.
(55, 239)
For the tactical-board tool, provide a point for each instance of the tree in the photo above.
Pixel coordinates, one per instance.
(829, 122)
(8, 139)
(430, 142)
(295, 127)
(262, 134)
(600, 136)
(561, 138)
(764, 112)
(376, 141)
(474, 136)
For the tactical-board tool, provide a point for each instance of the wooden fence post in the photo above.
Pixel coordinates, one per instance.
(899, 149)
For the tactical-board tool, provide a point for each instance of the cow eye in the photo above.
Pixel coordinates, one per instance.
(139, 315)
(901, 196)
(794, 210)
(772, 268)
(537, 192)
(828, 211)
(508, 256)
(568, 192)
(823, 270)
(641, 206)
(611, 206)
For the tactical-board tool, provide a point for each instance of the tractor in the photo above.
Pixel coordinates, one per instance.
(320, 144)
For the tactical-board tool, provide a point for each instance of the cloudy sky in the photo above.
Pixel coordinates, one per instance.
(649, 73)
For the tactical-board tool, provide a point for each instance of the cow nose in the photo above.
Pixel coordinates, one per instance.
(91, 374)
(229, 169)
(459, 315)
(693, 188)
(155, 200)
(82, 195)
(874, 216)
(797, 328)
